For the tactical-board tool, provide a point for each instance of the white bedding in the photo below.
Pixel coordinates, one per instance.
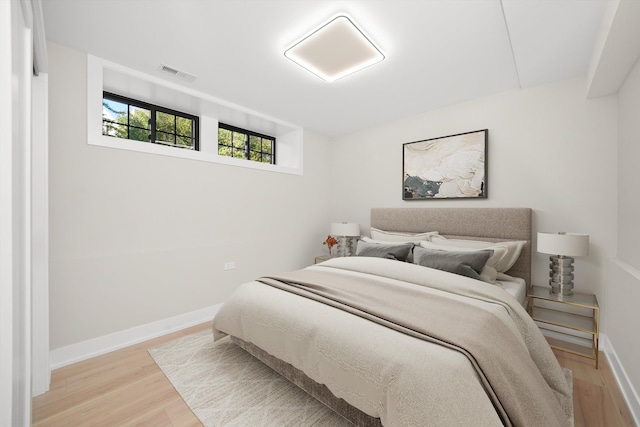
(516, 287)
(396, 377)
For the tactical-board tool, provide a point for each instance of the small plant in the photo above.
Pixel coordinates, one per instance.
(330, 242)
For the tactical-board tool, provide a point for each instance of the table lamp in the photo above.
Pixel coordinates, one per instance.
(562, 247)
(346, 232)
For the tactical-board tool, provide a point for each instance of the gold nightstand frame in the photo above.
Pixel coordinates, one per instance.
(568, 319)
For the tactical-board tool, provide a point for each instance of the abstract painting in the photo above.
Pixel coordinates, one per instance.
(448, 167)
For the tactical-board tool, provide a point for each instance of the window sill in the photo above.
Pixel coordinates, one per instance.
(149, 148)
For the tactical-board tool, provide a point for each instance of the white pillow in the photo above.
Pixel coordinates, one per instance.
(506, 261)
(489, 275)
(393, 236)
(382, 242)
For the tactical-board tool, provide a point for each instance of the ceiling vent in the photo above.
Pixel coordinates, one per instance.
(178, 73)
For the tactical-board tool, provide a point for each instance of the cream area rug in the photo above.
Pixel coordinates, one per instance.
(226, 386)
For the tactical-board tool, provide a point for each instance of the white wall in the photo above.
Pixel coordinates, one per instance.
(137, 237)
(623, 286)
(549, 149)
(628, 156)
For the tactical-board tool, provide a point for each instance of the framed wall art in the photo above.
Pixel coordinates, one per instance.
(448, 167)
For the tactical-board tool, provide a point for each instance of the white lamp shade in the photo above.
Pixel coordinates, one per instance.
(566, 244)
(345, 229)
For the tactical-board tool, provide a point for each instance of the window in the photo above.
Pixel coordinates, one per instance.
(109, 83)
(245, 144)
(131, 119)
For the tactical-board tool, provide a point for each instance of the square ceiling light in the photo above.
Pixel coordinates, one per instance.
(335, 50)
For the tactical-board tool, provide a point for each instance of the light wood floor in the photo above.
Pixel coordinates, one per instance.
(126, 388)
(597, 400)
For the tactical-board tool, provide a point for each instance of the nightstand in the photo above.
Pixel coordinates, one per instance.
(322, 258)
(565, 313)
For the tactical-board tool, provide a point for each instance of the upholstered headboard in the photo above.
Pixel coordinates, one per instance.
(490, 224)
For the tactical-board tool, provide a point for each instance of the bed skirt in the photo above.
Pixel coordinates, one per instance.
(318, 391)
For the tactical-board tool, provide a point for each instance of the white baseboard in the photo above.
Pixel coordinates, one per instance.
(629, 393)
(96, 346)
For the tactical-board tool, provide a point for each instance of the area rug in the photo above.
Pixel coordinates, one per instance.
(226, 386)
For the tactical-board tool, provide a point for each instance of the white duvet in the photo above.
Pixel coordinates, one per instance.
(398, 378)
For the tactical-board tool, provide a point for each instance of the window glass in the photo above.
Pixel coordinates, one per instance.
(184, 141)
(245, 144)
(165, 122)
(255, 143)
(139, 119)
(184, 126)
(132, 119)
(267, 147)
(238, 140)
(114, 114)
(166, 137)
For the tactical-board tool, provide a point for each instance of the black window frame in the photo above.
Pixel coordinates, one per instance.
(153, 108)
(247, 146)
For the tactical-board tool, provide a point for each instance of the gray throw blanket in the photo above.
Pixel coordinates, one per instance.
(513, 382)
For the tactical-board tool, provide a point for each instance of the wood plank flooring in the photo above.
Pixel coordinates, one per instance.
(126, 388)
(121, 388)
(597, 400)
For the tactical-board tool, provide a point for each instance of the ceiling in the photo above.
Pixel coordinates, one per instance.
(437, 52)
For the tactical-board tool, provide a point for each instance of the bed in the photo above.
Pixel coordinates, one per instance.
(385, 342)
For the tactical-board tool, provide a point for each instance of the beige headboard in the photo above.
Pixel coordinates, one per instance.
(491, 224)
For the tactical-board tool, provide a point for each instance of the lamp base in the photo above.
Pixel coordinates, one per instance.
(561, 275)
(561, 289)
(346, 246)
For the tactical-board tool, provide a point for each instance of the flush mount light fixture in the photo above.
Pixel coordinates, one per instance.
(335, 50)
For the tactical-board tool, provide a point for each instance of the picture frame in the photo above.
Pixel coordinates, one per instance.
(447, 167)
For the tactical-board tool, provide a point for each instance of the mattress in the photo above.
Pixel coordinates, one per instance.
(516, 287)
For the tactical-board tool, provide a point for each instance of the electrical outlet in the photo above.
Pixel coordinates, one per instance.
(230, 265)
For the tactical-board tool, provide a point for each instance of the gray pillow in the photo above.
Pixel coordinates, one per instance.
(380, 250)
(468, 264)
